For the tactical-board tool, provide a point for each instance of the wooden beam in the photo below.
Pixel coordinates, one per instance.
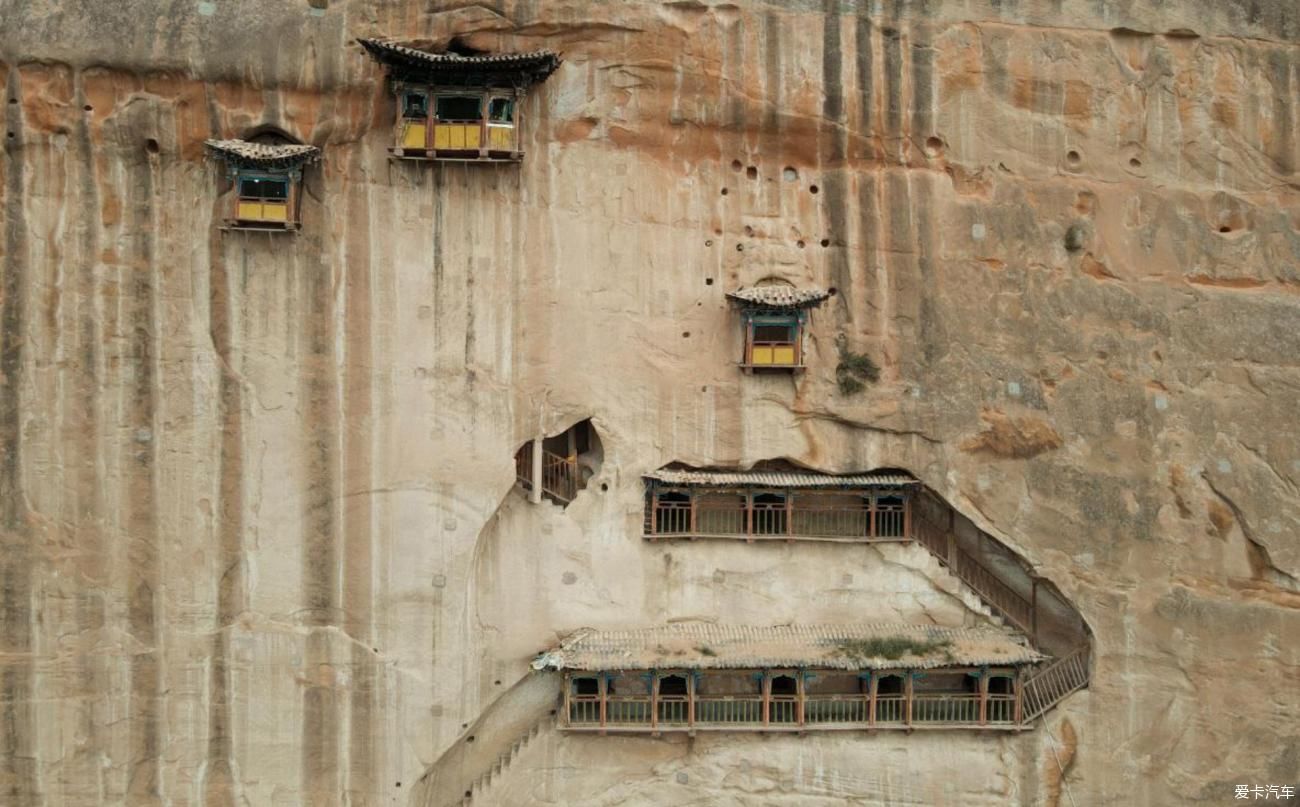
(535, 494)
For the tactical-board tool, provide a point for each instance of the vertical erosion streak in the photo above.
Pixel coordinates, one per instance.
(219, 788)
(358, 566)
(834, 148)
(320, 527)
(80, 427)
(19, 787)
(141, 481)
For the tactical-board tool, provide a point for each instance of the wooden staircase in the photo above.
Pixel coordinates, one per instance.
(1047, 686)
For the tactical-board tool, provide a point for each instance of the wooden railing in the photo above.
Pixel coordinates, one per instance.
(1046, 687)
(560, 475)
(792, 519)
(777, 712)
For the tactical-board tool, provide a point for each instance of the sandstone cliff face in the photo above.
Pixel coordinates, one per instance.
(259, 540)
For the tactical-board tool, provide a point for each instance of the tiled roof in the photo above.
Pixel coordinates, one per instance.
(703, 645)
(779, 479)
(263, 155)
(529, 67)
(779, 296)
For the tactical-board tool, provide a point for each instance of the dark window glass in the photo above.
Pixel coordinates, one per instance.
(773, 333)
(784, 685)
(672, 685)
(460, 107)
(890, 685)
(263, 188)
(585, 686)
(1000, 685)
(415, 105)
(502, 110)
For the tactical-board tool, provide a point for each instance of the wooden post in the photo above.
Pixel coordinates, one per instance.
(690, 699)
(568, 704)
(984, 697)
(907, 691)
(873, 684)
(767, 697)
(535, 495)
(952, 551)
(1015, 687)
(871, 516)
(694, 522)
(602, 685)
(516, 134)
(789, 520)
(907, 516)
(802, 696)
(749, 516)
(654, 702)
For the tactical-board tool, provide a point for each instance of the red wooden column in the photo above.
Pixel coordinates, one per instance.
(694, 521)
(1015, 687)
(789, 520)
(873, 683)
(690, 699)
(871, 516)
(907, 689)
(749, 516)
(767, 698)
(907, 515)
(602, 685)
(802, 696)
(984, 697)
(568, 691)
(654, 702)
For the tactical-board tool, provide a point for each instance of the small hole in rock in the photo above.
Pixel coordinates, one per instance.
(469, 739)
(1072, 157)
(469, 794)
(736, 165)
(740, 247)
(1135, 163)
(832, 291)
(708, 242)
(1225, 229)
(724, 191)
(752, 172)
(399, 784)
(749, 230)
(88, 108)
(718, 231)
(708, 281)
(799, 244)
(813, 189)
(604, 486)
(464, 725)
(498, 683)
(686, 334)
(789, 174)
(11, 134)
(826, 242)
(151, 146)
(933, 145)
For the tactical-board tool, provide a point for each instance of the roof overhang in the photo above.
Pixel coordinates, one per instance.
(489, 70)
(244, 154)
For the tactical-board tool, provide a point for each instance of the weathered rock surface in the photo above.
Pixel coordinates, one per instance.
(259, 544)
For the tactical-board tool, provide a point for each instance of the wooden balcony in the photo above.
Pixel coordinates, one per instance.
(560, 475)
(807, 517)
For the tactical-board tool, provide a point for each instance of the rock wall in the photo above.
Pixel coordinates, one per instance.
(248, 483)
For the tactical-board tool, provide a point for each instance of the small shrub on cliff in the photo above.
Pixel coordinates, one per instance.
(854, 370)
(889, 647)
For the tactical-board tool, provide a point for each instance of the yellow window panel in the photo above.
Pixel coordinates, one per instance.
(501, 138)
(413, 136)
(783, 354)
(250, 211)
(473, 136)
(275, 211)
(761, 355)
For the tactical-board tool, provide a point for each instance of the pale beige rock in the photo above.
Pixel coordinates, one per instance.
(259, 541)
